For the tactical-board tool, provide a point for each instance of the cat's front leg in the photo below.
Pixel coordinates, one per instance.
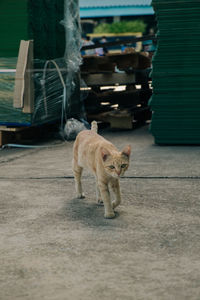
(116, 189)
(105, 195)
(77, 176)
(98, 196)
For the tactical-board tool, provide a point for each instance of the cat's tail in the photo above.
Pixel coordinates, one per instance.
(94, 126)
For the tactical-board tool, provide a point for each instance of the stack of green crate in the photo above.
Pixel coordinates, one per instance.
(32, 19)
(175, 75)
(13, 26)
(45, 29)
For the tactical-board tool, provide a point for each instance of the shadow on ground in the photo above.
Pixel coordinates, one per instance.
(88, 213)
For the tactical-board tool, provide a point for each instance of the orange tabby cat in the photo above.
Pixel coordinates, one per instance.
(101, 157)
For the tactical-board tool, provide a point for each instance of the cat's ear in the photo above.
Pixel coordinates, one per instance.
(104, 153)
(127, 151)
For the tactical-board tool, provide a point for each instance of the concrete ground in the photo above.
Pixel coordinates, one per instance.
(55, 247)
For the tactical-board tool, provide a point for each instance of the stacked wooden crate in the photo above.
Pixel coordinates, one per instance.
(116, 106)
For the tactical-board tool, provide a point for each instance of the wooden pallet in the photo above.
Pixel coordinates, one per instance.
(27, 135)
(11, 134)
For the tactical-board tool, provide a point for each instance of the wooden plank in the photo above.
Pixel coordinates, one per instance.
(1, 139)
(108, 79)
(123, 61)
(18, 101)
(120, 123)
(24, 86)
(118, 119)
(13, 129)
(5, 137)
(29, 84)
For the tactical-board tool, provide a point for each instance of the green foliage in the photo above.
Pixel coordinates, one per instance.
(121, 27)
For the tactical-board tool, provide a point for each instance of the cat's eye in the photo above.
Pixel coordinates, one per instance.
(123, 166)
(111, 167)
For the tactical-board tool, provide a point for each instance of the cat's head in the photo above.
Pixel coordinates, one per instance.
(116, 163)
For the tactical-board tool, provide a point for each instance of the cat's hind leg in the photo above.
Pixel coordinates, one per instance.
(77, 170)
(116, 189)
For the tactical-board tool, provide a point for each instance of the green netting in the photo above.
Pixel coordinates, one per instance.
(48, 102)
(9, 114)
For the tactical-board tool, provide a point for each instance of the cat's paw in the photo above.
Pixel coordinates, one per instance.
(100, 202)
(80, 196)
(115, 204)
(109, 215)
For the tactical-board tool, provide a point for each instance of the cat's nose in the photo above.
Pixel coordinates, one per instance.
(118, 172)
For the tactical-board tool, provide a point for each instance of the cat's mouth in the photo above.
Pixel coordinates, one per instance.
(115, 175)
